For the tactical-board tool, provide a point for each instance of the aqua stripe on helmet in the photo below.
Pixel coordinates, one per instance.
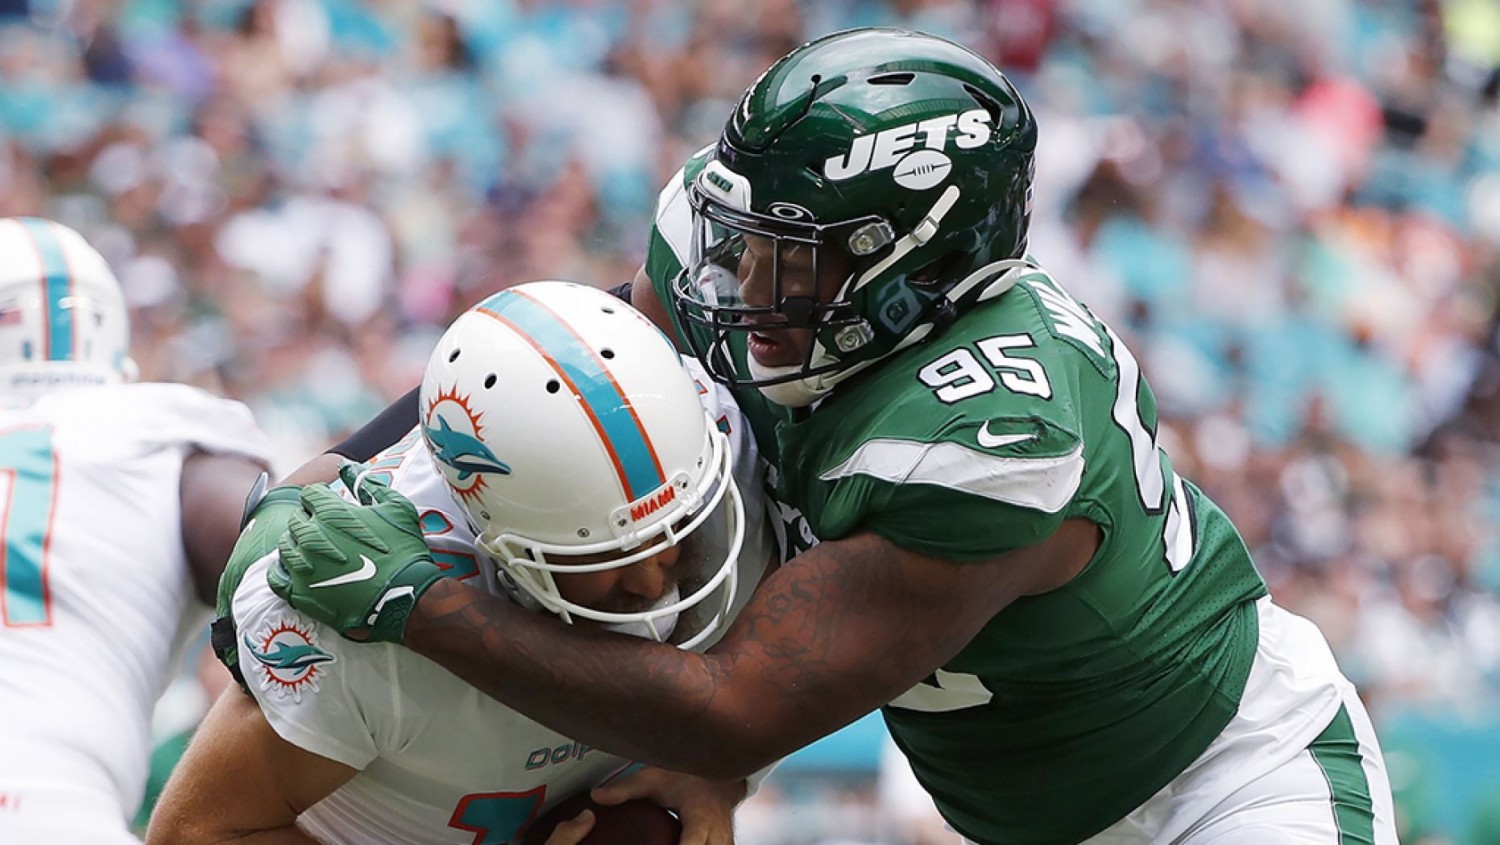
(57, 281)
(610, 412)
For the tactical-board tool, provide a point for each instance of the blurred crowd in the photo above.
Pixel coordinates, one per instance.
(1290, 207)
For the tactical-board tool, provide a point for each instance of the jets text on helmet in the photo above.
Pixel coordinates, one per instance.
(881, 150)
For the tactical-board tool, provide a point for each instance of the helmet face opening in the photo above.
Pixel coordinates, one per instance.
(770, 276)
(573, 437)
(900, 159)
(695, 550)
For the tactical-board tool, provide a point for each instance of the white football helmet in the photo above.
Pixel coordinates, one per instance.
(566, 424)
(63, 320)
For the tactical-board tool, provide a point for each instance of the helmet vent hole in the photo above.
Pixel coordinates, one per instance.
(489, 381)
(453, 356)
(997, 112)
(553, 386)
(607, 353)
(898, 78)
(606, 309)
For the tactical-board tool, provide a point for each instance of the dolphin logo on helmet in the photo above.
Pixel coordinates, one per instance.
(464, 452)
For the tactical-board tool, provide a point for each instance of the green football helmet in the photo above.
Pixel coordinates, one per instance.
(909, 155)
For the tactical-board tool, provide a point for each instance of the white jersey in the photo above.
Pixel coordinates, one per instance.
(438, 761)
(94, 584)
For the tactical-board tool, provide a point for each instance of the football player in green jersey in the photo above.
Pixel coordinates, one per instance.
(1067, 639)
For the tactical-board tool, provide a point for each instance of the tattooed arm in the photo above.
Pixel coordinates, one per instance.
(830, 636)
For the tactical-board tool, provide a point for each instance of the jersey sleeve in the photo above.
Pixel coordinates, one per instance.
(976, 490)
(671, 235)
(308, 680)
(146, 417)
(183, 414)
(352, 702)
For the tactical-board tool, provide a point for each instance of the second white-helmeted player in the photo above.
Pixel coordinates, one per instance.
(603, 481)
(119, 504)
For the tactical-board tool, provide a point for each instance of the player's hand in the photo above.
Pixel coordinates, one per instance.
(705, 807)
(260, 530)
(360, 567)
(572, 831)
(265, 520)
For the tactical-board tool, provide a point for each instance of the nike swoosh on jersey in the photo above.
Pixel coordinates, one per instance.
(995, 441)
(364, 573)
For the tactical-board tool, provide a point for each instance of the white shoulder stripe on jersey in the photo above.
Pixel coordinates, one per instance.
(674, 217)
(1044, 484)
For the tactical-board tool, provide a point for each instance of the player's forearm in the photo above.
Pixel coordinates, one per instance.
(206, 829)
(279, 836)
(240, 782)
(632, 697)
(192, 815)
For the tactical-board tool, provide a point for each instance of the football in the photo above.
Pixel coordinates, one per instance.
(631, 823)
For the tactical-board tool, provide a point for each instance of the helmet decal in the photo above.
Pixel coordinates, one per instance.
(789, 211)
(653, 503)
(460, 448)
(57, 284)
(586, 373)
(890, 147)
(922, 169)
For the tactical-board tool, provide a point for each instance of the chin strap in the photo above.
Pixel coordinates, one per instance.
(920, 234)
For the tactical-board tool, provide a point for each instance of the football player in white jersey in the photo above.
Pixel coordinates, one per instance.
(119, 504)
(603, 480)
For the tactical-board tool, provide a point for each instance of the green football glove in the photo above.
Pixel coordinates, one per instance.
(358, 567)
(260, 530)
(266, 517)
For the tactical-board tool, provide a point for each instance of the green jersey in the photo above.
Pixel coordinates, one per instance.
(1069, 709)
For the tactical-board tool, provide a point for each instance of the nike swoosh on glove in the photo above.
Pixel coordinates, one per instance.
(361, 566)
